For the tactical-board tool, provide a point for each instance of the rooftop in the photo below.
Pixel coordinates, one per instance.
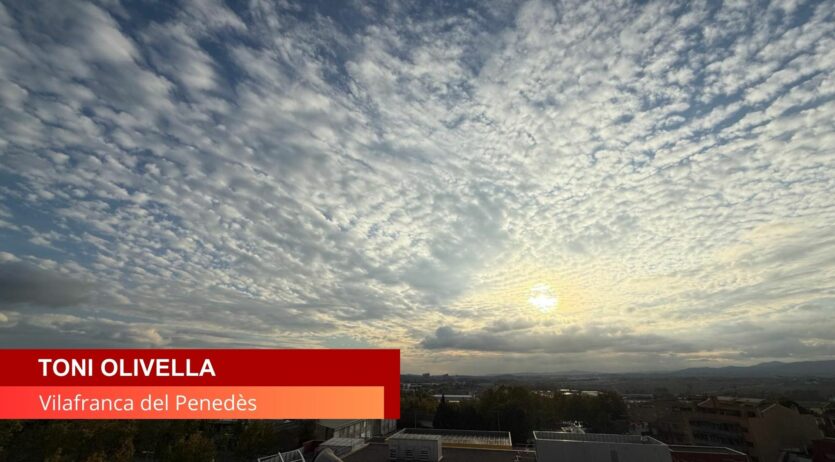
(333, 442)
(703, 449)
(379, 452)
(730, 401)
(594, 437)
(462, 438)
(336, 423)
(414, 436)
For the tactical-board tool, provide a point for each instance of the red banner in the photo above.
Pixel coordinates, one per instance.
(195, 384)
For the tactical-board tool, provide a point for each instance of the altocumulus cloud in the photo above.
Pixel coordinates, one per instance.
(286, 173)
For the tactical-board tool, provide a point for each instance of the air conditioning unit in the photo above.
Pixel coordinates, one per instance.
(404, 447)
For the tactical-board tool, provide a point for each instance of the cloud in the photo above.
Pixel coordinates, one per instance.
(70, 331)
(26, 284)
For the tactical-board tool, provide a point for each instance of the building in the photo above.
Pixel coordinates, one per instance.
(475, 439)
(753, 426)
(419, 445)
(827, 416)
(353, 428)
(598, 447)
(381, 427)
(669, 420)
(381, 452)
(341, 446)
(295, 455)
(681, 453)
(572, 427)
(434, 445)
(408, 447)
(342, 428)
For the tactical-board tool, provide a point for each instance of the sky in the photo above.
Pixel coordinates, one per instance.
(488, 186)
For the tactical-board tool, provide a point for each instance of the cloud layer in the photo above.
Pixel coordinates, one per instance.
(403, 175)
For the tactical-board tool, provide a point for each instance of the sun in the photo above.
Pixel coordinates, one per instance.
(543, 298)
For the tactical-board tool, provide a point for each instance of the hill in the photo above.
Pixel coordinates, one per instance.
(769, 369)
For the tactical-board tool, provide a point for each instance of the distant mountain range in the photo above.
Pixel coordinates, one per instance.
(822, 369)
(770, 369)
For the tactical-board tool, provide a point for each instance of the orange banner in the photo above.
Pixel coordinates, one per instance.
(195, 402)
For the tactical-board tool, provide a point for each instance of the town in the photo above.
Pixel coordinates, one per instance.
(584, 417)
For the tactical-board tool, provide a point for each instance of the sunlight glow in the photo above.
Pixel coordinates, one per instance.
(543, 298)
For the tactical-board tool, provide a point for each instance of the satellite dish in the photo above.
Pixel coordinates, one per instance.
(327, 455)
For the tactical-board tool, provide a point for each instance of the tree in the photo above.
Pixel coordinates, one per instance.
(193, 448)
(8, 431)
(444, 415)
(59, 441)
(262, 437)
(414, 407)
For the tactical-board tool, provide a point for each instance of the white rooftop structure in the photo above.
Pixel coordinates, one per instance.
(595, 437)
(289, 456)
(414, 436)
(415, 447)
(682, 448)
(342, 446)
(573, 427)
(463, 438)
